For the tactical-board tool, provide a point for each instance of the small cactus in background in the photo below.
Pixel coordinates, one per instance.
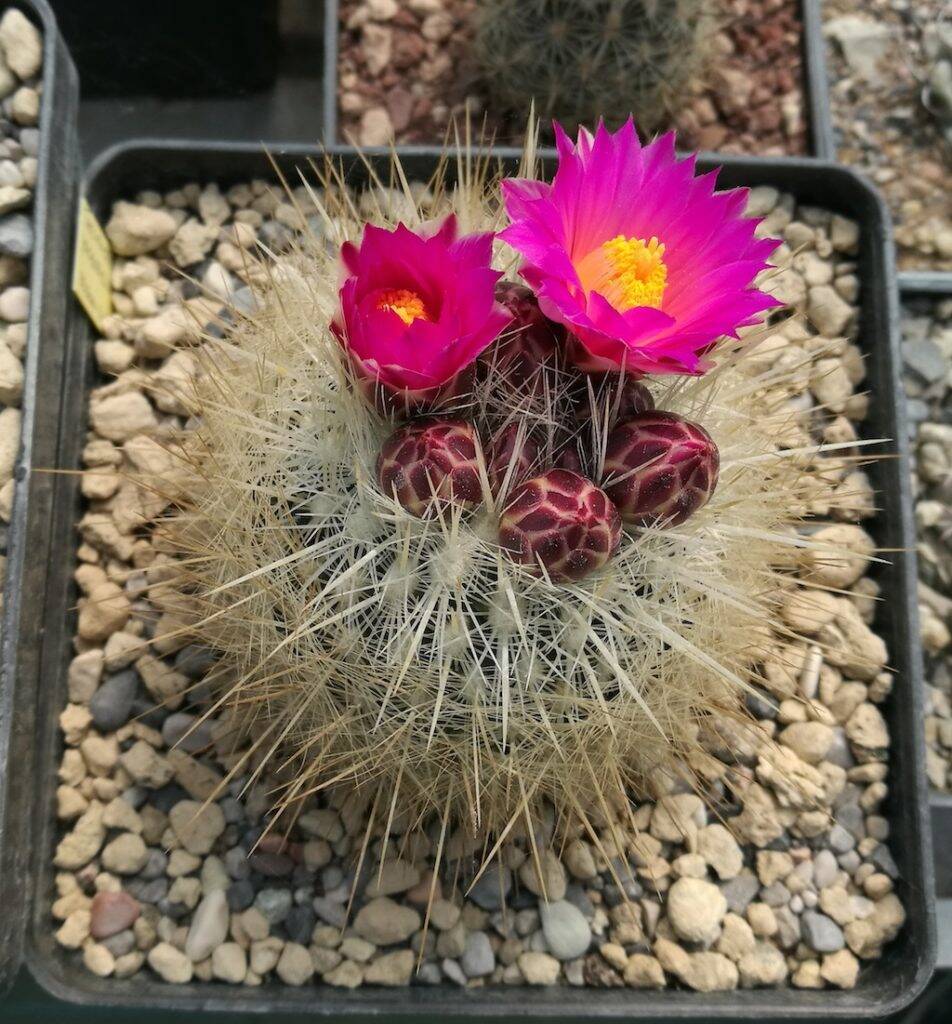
(660, 468)
(584, 59)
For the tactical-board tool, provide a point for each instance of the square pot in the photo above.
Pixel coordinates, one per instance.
(53, 215)
(815, 85)
(885, 986)
(918, 284)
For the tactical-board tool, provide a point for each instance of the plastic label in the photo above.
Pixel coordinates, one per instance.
(92, 266)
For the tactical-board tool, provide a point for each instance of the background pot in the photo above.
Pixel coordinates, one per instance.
(54, 213)
(816, 95)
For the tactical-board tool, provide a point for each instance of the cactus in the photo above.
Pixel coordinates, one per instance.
(512, 454)
(369, 643)
(584, 59)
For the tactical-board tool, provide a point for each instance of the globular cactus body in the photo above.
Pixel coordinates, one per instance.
(413, 649)
(613, 398)
(529, 343)
(513, 446)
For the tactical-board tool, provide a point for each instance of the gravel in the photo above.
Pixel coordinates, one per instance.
(880, 53)
(21, 60)
(784, 879)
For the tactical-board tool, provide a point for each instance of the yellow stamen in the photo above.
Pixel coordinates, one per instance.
(628, 272)
(406, 304)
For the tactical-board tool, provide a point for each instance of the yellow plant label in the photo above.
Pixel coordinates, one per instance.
(92, 266)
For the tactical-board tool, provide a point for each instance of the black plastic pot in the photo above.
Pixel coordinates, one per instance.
(48, 594)
(926, 282)
(940, 806)
(814, 77)
(54, 212)
(815, 80)
(938, 286)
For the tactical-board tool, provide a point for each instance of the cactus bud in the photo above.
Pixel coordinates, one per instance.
(508, 448)
(430, 462)
(528, 342)
(659, 468)
(561, 521)
(624, 397)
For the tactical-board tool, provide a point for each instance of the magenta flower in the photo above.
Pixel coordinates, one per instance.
(415, 312)
(643, 263)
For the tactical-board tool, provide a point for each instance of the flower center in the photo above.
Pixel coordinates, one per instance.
(629, 272)
(406, 304)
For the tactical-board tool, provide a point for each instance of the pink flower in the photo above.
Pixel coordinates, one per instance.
(415, 312)
(643, 263)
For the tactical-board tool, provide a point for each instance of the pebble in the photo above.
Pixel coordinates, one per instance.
(840, 969)
(765, 965)
(209, 926)
(329, 911)
(126, 854)
(642, 971)
(539, 968)
(15, 304)
(566, 931)
(395, 876)
(111, 704)
(196, 825)
(229, 963)
(491, 889)
(383, 922)
(274, 904)
(16, 235)
(551, 883)
(134, 230)
(696, 909)
(478, 958)
(821, 932)
(720, 849)
(170, 964)
(111, 913)
(21, 43)
(122, 416)
(295, 966)
(396, 969)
